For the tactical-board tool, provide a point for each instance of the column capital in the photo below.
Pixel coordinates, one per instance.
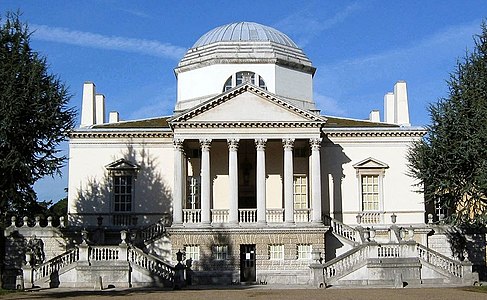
(288, 143)
(178, 144)
(233, 144)
(260, 144)
(315, 144)
(205, 144)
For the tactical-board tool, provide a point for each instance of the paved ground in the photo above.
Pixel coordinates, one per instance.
(267, 293)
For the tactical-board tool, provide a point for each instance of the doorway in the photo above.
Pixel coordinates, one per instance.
(247, 263)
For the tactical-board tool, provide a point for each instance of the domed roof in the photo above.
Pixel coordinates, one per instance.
(244, 31)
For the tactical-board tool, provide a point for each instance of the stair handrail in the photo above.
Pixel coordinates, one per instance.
(55, 264)
(346, 262)
(152, 231)
(151, 263)
(342, 229)
(450, 265)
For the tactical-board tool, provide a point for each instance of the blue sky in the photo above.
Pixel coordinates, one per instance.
(360, 49)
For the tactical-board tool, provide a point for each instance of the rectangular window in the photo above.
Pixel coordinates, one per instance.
(193, 193)
(220, 252)
(304, 251)
(276, 252)
(122, 193)
(300, 192)
(192, 251)
(370, 192)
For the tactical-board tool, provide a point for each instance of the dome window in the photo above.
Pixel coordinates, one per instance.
(242, 77)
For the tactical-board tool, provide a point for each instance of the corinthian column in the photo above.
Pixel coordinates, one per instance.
(261, 205)
(205, 180)
(316, 179)
(233, 179)
(288, 180)
(177, 201)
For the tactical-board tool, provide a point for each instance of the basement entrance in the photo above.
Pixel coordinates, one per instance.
(247, 263)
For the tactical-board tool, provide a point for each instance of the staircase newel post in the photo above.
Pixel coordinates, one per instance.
(122, 252)
(27, 271)
(84, 254)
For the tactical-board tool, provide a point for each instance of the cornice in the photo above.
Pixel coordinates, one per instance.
(269, 229)
(118, 134)
(250, 124)
(375, 133)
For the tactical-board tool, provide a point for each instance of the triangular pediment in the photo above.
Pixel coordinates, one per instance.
(370, 163)
(122, 165)
(247, 103)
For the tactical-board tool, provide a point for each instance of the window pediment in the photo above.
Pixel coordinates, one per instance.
(122, 166)
(370, 163)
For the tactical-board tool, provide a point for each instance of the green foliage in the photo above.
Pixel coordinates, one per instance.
(450, 162)
(34, 119)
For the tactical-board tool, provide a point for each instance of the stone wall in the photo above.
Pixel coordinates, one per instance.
(289, 270)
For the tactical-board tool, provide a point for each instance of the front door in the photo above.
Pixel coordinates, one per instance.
(247, 263)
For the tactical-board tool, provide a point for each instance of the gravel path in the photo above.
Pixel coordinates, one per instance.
(212, 293)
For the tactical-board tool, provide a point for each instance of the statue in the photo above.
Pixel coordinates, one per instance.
(36, 247)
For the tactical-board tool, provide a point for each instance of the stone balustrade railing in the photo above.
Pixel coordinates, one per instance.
(372, 218)
(345, 263)
(103, 253)
(55, 264)
(343, 230)
(219, 215)
(151, 263)
(191, 215)
(247, 215)
(152, 231)
(275, 215)
(302, 215)
(453, 267)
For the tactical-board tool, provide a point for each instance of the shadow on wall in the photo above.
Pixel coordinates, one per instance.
(151, 196)
(214, 267)
(332, 169)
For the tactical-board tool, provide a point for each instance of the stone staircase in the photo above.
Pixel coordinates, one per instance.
(123, 265)
(398, 262)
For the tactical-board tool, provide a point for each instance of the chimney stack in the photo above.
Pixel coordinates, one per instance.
(100, 109)
(88, 105)
(396, 109)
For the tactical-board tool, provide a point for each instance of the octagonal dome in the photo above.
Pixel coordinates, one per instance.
(244, 31)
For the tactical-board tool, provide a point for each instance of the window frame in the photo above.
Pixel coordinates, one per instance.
(306, 195)
(192, 251)
(276, 252)
(370, 167)
(220, 252)
(118, 169)
(299, 251)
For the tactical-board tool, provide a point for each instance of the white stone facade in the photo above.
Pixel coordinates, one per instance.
(247, 175)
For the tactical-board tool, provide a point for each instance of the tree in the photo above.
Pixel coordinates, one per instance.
(34, 119)
(450, 162)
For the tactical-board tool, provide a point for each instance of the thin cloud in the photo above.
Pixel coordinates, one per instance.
(95, 40)
(328, 105)
(430, 47)
(305, 25)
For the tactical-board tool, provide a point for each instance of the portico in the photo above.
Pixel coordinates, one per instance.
(247, 172)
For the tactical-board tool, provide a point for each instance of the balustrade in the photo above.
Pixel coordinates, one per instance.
(247, 215)
(275, 215)
(192, 215)
(103, 253)
(371, 218)
(219, 215)
(451, 266)
(55, 264)
(302, 215)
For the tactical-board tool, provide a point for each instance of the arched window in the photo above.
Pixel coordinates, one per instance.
(244, 76)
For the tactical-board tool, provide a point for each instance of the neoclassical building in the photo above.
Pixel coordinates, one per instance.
(252, 180)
